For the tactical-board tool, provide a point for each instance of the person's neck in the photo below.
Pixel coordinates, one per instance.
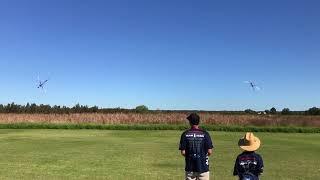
(195, 127)
(248, 152)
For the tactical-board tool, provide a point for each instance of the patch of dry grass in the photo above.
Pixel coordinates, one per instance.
(163, 118)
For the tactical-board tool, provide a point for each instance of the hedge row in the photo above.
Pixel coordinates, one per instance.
(159, 127)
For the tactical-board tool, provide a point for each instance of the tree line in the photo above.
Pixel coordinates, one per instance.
(32, 108)
(285, 111)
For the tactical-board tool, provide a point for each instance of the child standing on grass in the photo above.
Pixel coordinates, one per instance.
(248, 165)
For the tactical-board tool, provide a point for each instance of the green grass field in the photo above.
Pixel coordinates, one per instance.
(102, 154)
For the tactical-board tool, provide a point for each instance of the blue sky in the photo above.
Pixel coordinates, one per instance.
(164, 54)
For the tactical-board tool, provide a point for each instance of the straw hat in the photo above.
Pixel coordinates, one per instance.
(249, 142)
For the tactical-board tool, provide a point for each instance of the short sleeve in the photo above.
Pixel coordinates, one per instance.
(209, 143)
(260, 165)
(183, 143)
(235, 169)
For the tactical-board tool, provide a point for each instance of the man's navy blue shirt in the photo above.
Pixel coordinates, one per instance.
(196, 143)
(248, 162)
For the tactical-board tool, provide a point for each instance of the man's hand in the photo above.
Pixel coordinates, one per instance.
(209, 152)
(183, 152)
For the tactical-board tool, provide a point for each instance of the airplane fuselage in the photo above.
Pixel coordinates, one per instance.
(41, 84)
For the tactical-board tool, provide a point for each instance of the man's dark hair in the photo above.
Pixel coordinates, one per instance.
(194, 119)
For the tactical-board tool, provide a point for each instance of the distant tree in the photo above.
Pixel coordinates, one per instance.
(84, 109)
(12, 108)
(313, 111)
(65, 110)
(249, 111)
(94, 109)
(55, 109)
(76, 108)
(33, 108)
(27, 108)
(286, 111)
(267, 111)
(273, 111)
(2, 108)
(46, 109)
(142, 109)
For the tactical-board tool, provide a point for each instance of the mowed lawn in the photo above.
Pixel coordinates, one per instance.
(101, 154)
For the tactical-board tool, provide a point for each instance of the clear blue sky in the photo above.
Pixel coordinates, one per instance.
(165, 54)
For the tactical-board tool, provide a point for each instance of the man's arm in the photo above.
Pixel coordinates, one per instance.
(183, 152)
(260, 166)
(209, 143)
(182, 145)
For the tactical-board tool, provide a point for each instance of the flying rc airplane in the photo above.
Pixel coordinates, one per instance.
(41, 84)
(253, 85)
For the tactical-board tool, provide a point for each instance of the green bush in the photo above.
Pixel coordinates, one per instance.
(142, 109)
(159, 127)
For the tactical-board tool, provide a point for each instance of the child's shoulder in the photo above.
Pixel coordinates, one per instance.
(250, 153)
(257, 154)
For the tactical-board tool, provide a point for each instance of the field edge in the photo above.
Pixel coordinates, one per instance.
(284, 129)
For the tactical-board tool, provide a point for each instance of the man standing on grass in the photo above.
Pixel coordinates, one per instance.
(196, 146)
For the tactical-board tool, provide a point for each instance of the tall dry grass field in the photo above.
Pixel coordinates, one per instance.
(163, 118)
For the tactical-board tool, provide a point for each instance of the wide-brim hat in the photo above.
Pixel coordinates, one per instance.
(249, 142)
